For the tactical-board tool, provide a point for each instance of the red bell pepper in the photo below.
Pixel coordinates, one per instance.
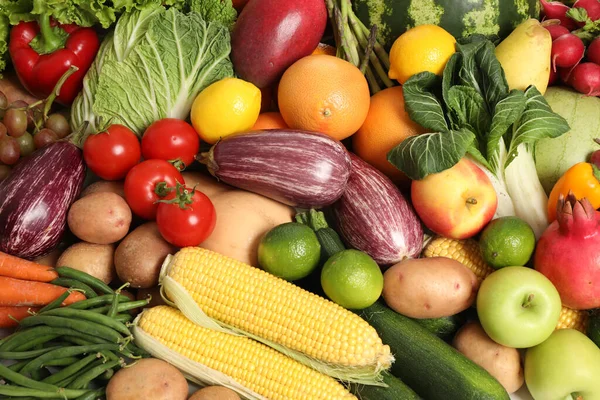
(42, 52)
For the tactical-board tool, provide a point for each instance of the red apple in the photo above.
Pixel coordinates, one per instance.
(456, 203)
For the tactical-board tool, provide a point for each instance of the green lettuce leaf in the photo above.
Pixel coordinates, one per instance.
(215, 10)
(178, 57)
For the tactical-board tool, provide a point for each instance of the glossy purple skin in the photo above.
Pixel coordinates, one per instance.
(35, 199)
(270, 35)
(297, 168)
(374, 217)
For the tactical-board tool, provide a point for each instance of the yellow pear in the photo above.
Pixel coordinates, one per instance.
(525, 56)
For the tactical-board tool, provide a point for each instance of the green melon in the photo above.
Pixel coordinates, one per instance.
(459, 17)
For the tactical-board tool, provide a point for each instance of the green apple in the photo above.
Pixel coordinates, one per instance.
(565, 364)
(518, 307)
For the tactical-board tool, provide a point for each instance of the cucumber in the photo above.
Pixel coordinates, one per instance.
(444, 327)
(430, 366)
(396, 390)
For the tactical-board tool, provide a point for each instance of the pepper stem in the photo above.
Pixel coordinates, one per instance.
(50, 38)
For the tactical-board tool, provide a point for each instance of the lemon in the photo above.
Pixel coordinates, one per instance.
(228, 106)
(290, 251)
(507, 242)
(352, 279)
(419, 49)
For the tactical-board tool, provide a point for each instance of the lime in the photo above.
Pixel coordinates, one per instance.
(507, 241)
(352, 279)
(290, 251)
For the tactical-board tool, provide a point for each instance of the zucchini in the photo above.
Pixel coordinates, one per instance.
(328, 238)
(430, 366)
(444, 327)
(396, 390)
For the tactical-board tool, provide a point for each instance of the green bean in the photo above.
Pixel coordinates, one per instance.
(88, 315)
(21, 380)
(83, 380)
(78, 338)
(56, 303)
(112, 311)
(124, 306)
(70, 370)
(93, 282)
(96, 394)
(43, 339)
(59, 393)
(109, 373)
(23, 355)
(97, 301)
(92, 328)
(17, 366)
(67, 381)
(61, 362)
(40, 374)
(123, 318)
(21, 337)
(66, 352)
(75, 284)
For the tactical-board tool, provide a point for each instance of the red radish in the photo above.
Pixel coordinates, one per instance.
(556, 30)
(593, 51)
(565, 75)
(585, 78)
(567, 253)
(558, 10)
(553, 77)
(567, 51)
(591, 6)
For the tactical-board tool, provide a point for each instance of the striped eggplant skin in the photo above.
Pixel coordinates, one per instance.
(35, 200)
(373, 216)
(298, 168)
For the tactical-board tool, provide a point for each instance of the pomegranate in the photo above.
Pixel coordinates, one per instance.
(567, 253)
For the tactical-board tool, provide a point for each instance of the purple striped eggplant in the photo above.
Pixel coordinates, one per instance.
(35, 199)
(298, 168)
(374, 217)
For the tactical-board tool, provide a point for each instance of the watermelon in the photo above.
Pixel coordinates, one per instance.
(459, 17)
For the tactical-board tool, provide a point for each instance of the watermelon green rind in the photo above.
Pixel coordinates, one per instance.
(459, 17)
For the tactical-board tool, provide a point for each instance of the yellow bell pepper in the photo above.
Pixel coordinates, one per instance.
(583, 179)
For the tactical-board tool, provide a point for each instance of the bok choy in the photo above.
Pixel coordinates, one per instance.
(471, 113)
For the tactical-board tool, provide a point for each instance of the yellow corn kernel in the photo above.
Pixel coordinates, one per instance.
(465, 251)
(574, 319)
(252, 364)
(275, 310)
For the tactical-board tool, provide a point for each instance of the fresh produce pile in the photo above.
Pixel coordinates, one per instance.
(316, 199)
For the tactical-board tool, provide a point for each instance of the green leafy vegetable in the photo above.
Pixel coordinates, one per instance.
(472, 113)
(215, 10)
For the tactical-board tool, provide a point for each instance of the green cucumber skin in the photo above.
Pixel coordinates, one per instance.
(427, 364)
(396, 390)
(459, 17)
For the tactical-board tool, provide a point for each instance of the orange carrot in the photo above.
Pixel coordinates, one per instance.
(17, 292)
(9, 316)
(15, 267)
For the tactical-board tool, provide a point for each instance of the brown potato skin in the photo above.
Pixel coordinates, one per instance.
(140, 255)
(101, 218)
(95, 259)
(503, 363)
(429, 287)
(104, 186)
(148, 379)
(214, 393)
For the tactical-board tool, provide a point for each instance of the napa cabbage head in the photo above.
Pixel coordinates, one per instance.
(150, 67)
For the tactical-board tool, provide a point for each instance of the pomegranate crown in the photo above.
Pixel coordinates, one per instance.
(569, 209)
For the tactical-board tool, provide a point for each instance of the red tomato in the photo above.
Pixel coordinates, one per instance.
(188, 220)
(170, 139)
(141, 185)
(111, 154)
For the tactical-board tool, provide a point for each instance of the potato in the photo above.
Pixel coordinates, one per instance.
(207, 184)
(429, 287)
(140, 255)
(105, 186)
(242, 220)
(215, 393)
(95, 259)
(148, 379)
(503, 363)
(100, 218)
(154, 293)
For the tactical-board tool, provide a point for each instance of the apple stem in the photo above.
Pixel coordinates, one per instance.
(471, 200)
(528, 300)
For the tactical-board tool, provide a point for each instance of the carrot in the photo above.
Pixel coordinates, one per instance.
(17, 292)
(9, 316)
(15, 267)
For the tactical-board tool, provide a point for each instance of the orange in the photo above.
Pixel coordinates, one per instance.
(269, 120)
(387, 124)
(323, 48)
(325, 94)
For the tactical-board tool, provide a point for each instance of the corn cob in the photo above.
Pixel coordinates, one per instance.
(264, 371)
(575, 319)
(465, 251)
(250, 301)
